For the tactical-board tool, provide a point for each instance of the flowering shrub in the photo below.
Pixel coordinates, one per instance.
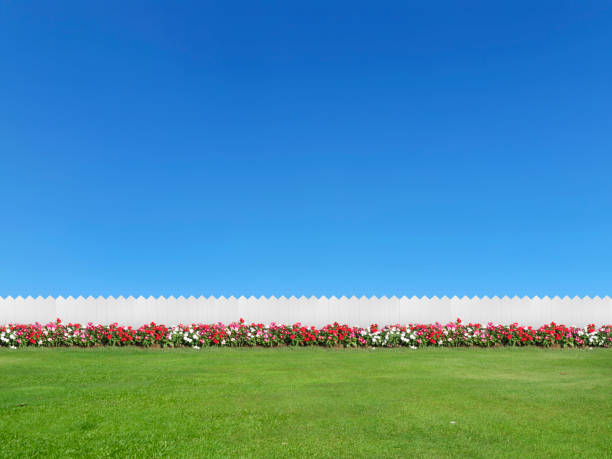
(239, 334)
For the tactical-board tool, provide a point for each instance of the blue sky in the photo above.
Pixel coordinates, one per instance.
(285, 148)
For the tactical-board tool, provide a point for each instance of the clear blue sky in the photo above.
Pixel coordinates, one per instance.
(289, 148)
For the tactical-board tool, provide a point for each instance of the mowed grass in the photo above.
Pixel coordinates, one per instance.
(305, 402)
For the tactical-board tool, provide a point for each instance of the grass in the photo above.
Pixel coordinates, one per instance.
(305, 402)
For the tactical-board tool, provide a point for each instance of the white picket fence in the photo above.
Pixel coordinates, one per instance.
(361, 311)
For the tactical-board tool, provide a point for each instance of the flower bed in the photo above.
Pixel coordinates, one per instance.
(240, 334)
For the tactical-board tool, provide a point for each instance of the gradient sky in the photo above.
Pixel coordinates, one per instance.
(289, 148)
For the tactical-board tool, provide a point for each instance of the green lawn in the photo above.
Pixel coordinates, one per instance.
(305, 402)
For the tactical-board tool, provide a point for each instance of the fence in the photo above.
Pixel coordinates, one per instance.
(361, 311)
